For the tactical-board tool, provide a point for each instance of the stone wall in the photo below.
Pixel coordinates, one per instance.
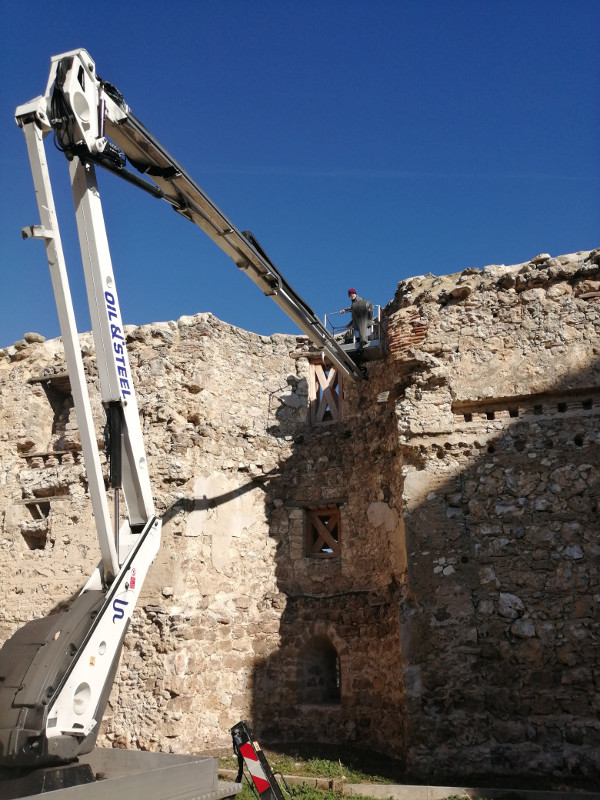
(458, 628)
(218, 408)
(497, 398)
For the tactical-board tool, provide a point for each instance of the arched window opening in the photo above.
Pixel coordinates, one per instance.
(319, 673)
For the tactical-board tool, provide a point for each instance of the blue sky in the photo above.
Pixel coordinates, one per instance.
(361, 142)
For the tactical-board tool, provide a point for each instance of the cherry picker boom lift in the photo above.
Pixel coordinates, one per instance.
(56, 673)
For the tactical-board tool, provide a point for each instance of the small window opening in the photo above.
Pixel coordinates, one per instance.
(35, 530)
(562, 407)
(587, 404)
(322, 532)
(537, 409)
(513, 412)
(325, 393)
(490, 415)
(468, 417)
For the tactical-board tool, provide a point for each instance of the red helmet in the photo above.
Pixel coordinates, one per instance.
(351, 291)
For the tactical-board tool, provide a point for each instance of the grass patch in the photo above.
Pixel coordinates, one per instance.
(330, 762)
(352, 766)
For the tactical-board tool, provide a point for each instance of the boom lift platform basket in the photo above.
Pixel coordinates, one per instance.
(347, 336)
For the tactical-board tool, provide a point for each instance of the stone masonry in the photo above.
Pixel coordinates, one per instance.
(497, 400)
(458, 627)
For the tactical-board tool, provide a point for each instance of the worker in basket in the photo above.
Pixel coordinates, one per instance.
(362, 318)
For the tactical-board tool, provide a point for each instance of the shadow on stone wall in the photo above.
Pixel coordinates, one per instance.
(467, 636)
(335, 677)
(205, 503)
(500, 625)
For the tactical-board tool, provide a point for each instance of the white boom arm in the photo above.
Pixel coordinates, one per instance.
(56, 673)
(92, 121)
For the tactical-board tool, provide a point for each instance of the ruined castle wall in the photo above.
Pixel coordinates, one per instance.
(231, 602)
(457, 626)
(218, 407)
(350, 601)
(497, 397)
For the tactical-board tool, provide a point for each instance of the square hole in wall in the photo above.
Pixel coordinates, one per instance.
(325, 393)
(322, 532)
